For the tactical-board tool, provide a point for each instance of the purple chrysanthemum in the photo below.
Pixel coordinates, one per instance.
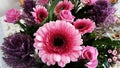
(28, 5)
(101, 10)
(28, 18)
(26, 15)
(17, 49)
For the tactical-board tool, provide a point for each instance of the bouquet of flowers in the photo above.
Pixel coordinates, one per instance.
(62, 33)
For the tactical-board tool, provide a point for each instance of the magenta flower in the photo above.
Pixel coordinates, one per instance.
(84, 25)
(66, 15)
(88, 2)
(109, 60)
(109, 51)
(58, 42)
(42, 2)
(40, 14)
(89, 53)
(92, 64)
(114, 58)
(114, 52)
(63, 5)
(12, 15)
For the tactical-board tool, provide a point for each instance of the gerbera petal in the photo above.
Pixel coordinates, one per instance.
(59, 39)
(39, 38)
(57, 57)
(62, 64)
(44, 58)
(73, 58)
(51, 58)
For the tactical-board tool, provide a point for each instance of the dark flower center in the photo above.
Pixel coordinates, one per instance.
(58, 41)
(42, 16)
(62, 8)
(81, 26)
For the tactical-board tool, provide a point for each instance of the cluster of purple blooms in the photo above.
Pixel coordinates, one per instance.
(17, 49)
(102, 12)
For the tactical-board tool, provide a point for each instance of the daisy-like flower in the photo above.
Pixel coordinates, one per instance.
(58, 42)
(84, 25)
(40, 14)
(63, 5)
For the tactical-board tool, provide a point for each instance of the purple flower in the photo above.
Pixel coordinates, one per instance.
(12, 15)
(17, 49)
(26, 15)
(28, 18)
(28, 5)
(101, 10)
(110, 19)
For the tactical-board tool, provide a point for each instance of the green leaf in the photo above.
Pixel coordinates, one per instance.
(105, 64)
(103, 45)
(51, 11)
(22, 25)
(103, 41)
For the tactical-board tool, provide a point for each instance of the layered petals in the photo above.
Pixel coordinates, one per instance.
(84, 25)
(40, 14)
(63, 5)
(58, 42)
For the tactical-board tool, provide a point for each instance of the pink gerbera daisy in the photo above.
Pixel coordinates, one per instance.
(63, 5)
(58, 42)
(40, 14)
(84, 25)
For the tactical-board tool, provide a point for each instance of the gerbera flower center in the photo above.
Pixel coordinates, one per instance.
(42, 16)
(58, 41)
(81, 26)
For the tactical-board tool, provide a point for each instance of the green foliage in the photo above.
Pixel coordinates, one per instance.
(103, 45)
(51, 12)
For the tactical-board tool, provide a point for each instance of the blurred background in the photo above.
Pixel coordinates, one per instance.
(7, 4)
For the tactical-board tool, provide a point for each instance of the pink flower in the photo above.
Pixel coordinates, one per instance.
(58, 42)
(66, 15)
(88, 2)
(92, 64)
(89, 53)
(84, 25)
(40, 14)
(63, 5)
(114, 52)
(114, 58)
(42, 2)
(118, 56)
(109, 51)
(109, 60)
(12, 15)
(117, 62)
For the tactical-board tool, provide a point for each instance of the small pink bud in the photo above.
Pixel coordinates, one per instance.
(109, 51)
(114, 52)
(109, 60)
(114, 58)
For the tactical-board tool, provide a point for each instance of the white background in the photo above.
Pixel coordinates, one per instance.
(7, 4)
